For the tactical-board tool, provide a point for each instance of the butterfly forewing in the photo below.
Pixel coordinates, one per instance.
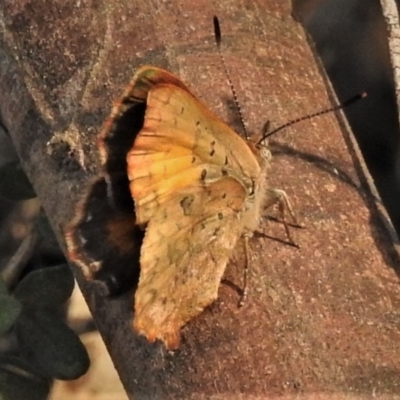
(180, 135)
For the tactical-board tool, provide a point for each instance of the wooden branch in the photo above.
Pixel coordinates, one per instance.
(320, 318)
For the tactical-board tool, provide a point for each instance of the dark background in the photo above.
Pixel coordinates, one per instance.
(351, 39)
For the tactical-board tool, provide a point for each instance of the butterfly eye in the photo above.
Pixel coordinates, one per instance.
(265, 152)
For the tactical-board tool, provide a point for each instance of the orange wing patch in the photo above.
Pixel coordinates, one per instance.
(182, 143)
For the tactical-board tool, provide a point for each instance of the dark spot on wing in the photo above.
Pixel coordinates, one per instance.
(212, 144)
(203, 174)
(186, 204)
(216, 231)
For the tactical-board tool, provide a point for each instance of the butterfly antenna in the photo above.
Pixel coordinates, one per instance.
(217, 33)
(266, 134)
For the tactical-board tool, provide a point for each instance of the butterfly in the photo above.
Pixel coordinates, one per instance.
(198, 187)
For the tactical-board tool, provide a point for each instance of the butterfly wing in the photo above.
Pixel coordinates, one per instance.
(146, 78)
(182, 143)
(187, 245)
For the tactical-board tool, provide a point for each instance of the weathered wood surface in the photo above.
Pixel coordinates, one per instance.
(322, 319)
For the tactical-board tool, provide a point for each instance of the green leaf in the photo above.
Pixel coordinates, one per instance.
(46, 287)
(19, 383)
(9, 309)
(50, 345)
(14, 184)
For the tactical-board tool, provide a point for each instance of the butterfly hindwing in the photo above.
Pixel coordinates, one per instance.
(187, 245)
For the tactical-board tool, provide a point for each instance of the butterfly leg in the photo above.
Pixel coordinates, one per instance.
(245, 292)
(277, 196)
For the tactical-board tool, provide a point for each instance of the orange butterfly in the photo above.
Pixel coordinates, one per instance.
(198, 187)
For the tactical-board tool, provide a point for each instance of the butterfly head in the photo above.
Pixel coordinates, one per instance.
(261, 143)
(264, 150)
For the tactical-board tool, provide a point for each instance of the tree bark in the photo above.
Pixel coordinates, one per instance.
(322, 319)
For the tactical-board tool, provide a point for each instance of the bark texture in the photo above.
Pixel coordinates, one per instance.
(322, 319)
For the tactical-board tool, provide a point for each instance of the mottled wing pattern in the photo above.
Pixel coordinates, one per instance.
(183, 143)
(187, 245)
